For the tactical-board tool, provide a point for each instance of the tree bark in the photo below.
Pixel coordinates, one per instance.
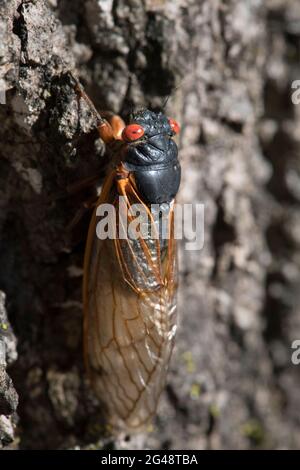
(227, 68)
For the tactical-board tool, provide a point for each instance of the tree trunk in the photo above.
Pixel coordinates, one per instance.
(227, 67)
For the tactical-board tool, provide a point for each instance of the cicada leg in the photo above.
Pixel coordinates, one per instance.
(83, 209)
(109, 125)
(82, 184)
(116, 124)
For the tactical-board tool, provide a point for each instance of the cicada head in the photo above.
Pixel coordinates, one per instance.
(152, 155)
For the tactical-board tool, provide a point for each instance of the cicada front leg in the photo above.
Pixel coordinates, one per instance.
(109, 125)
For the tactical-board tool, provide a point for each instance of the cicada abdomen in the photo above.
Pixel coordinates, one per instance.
(130, 282)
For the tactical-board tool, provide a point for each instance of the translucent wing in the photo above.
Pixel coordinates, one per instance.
(129, 317)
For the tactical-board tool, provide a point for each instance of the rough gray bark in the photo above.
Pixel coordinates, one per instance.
(228, 67)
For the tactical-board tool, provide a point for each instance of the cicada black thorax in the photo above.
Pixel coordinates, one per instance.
(153, 163)
(153, 159)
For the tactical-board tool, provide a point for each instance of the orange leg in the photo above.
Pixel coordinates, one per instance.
(117, 124)
(109, 125)
(85, 207)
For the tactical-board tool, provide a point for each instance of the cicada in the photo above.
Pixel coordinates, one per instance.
(129, 287)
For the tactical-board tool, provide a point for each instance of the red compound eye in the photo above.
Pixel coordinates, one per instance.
(132, 132)
(174, 125)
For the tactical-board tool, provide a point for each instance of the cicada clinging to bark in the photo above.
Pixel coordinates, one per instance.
(129, 287)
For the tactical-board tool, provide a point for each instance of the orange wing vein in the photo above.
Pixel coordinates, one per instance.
(129, 316)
